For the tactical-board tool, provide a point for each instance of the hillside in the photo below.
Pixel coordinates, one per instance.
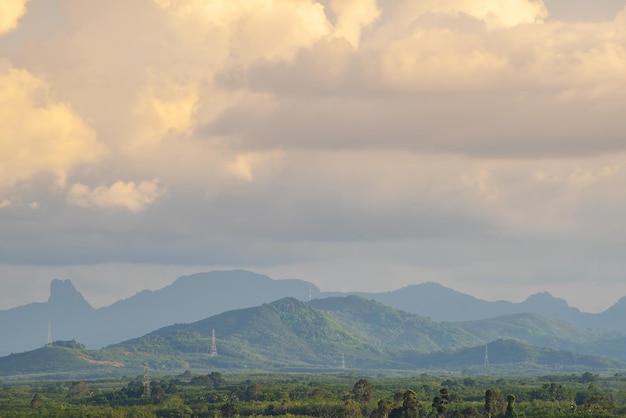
(366, 334)
(513, 356)
(283, 333)
(60, 361)
(324, 335)
(531, 328)
(391, 329)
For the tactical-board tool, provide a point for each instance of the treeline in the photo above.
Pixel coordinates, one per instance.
(332, 396)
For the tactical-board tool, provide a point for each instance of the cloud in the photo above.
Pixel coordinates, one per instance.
(130, 196)
(352, 16)
(495, 13)
(431, 137)
(252, 29)
(40, 134)
(10, 13)
(167, 109)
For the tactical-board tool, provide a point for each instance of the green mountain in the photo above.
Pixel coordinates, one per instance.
(393, 330)
(512, 355)
(327, 334)
(532, 329)
(285, 333)
(63, 361)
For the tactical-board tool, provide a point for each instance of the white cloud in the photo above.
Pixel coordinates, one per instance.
(130, 196)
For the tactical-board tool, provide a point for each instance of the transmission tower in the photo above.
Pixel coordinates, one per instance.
(146, 381)
(49, 343)
(310, 293)
(213, 345)
(343, 361)
(486, 362)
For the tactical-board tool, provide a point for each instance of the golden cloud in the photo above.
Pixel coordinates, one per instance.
(10, 13)
(252, 29)
(166, 108)
(39, 134)
(352, 16)
(130, 196)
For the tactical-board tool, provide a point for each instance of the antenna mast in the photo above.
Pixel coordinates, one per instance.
(213, 344)
(146, 381)
(49, 343)
(486, 362)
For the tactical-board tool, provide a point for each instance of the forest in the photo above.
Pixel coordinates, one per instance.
(332, 395)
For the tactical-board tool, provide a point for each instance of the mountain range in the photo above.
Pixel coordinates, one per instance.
(327, 334)
(430, 313)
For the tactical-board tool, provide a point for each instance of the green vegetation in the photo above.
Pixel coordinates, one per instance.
(319, 395)
(322, 336)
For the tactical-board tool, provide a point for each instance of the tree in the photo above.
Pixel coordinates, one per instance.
(363, 391)
(600, 404)
(351, 409)
(588, 377)
(494, 402)
(410, 404)
(229, 409)
(77, 390)
(253, 392)
(36, 402)
(440, 402)
(510, 407)
(382, 410)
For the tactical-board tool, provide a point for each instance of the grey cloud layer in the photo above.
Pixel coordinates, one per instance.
(449, 139)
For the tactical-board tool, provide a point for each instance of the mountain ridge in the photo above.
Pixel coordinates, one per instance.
(321, 335)
(197, 296)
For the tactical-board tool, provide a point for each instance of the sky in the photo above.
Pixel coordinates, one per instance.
(362, 145)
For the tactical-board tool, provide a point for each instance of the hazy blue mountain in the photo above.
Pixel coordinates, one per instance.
(26, 327)
(444, 304)
(439, 303)
(187, 299)
(191, 298)
(198, 296)
(613, 318)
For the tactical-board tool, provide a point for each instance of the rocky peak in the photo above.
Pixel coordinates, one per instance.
(63, 293)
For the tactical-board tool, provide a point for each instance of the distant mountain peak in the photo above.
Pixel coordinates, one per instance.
(544, 297)
(63, 292)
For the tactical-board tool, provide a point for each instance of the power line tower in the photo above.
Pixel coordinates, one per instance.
(49, 343)
(213, 344)
(486, 361)
(343, 361)
(146, 381)
(310, 293)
